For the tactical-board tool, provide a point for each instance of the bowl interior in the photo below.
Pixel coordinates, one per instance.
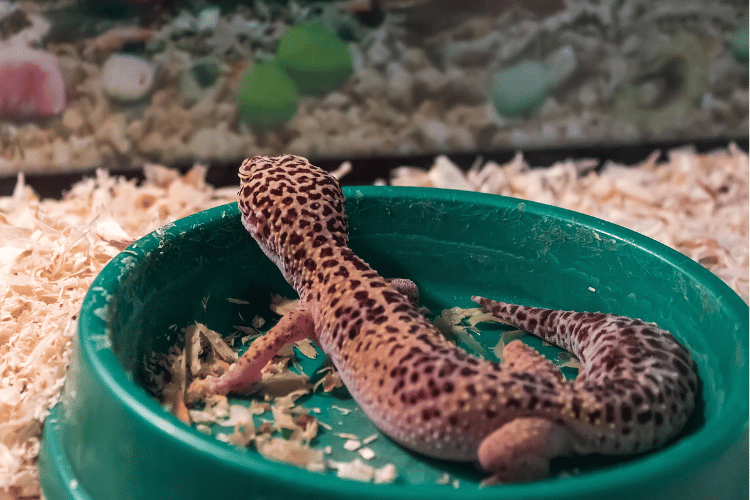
(453, 245)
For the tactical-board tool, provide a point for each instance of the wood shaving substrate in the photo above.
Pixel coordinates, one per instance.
(51, 250)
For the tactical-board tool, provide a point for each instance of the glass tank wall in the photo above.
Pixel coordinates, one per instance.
(115, 83)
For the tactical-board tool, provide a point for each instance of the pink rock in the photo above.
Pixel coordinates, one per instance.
(31, 84)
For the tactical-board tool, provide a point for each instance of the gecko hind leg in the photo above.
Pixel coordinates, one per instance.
(407, 288)
(246, 371)
(521, 450)
(520, 357)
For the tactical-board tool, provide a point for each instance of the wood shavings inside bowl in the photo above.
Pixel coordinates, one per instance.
(51, 250)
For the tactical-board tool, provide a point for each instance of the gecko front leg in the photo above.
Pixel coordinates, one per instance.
(245, 372)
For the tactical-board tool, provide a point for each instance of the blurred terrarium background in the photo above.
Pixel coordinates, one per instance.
(117, 84)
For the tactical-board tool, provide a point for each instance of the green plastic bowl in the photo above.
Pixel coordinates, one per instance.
(109, 439)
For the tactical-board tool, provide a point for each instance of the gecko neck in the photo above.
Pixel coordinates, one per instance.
(323, 267)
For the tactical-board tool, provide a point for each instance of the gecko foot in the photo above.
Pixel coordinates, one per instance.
(245, 373)
(407, 288)
(520, 357)
(521, 450)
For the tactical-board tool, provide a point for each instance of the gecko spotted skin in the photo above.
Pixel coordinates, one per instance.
(635, 391)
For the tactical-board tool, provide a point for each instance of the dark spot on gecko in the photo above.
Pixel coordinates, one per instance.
(626, 413)
(342, 271)
(609, 413)
(353, 332)
(392, 297)
(295, 239)
(594, 415)
(644, 417)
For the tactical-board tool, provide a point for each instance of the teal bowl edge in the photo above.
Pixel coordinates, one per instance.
(92, 359)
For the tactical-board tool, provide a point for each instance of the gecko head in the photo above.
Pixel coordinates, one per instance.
(290, 207)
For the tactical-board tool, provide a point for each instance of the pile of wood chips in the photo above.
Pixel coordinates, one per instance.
(51, 250)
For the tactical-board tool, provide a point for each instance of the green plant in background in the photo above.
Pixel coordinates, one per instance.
(266, 97)
(520, 88)
(317, 60)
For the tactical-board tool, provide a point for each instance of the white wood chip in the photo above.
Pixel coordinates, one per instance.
(385, 475)
(352, 444)
(369, 439)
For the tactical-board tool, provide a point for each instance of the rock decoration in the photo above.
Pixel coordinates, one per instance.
(520, 89)
(317, 60)
(195, 80)
(127, 78)
(309, 60)
(31, 84)
(267, 96)
(662, 92)
(738, 43)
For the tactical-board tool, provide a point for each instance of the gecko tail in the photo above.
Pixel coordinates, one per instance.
(548, 324)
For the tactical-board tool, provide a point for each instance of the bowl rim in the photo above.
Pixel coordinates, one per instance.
(699, 448)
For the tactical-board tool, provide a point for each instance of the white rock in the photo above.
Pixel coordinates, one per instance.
(399, 84)
(468, 86)
(551, 108)
(414, 59)
(561, 65)
(113, 132)
(126, 77)
(208, 18)
(184, 21)
(378, 54)
(478, 51)
(369, 82)
(523, 33)
(618, 69)
(431, 79)
(335, 99)
(587, 95)
(461, 139)
(60, 153)
(436, 133)
(72, 119)
(631, 44)
(218, 144)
